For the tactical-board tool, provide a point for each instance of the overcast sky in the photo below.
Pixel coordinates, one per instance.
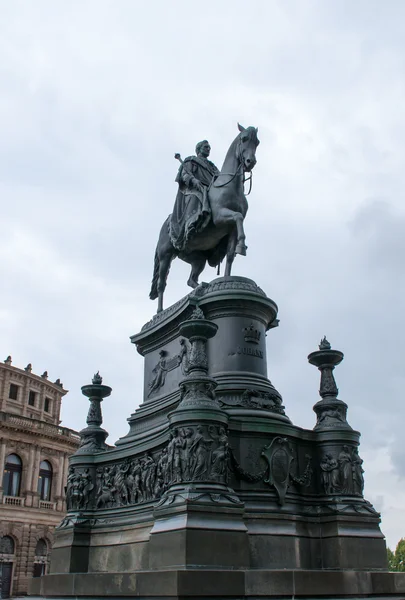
(95, 98)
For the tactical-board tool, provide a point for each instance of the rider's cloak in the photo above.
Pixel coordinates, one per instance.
(191, 212)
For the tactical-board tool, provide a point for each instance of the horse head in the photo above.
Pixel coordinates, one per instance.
(248, 142)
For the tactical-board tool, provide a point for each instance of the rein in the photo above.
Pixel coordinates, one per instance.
(229, 180)
(250, 180)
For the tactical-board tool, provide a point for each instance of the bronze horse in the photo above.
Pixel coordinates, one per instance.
(224, 234)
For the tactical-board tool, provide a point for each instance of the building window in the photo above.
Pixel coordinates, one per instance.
(45, 480)
(47, 405)
(12, 475)
(41, 552)
(6, 545)
(13, 393)
(7, 550)
(41, 548)
(31, 398)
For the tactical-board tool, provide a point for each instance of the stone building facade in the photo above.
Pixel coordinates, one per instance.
(34, 451)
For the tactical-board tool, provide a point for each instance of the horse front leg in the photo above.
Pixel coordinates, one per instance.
(230, 253)
(240, 246)
(225, 216)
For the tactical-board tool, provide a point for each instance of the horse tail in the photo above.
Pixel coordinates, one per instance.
(154, 290)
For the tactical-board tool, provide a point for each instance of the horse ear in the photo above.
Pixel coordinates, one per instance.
(241, 128)
(257, 130)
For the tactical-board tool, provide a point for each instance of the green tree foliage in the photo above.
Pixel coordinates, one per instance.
(391, 560)
(396, 560)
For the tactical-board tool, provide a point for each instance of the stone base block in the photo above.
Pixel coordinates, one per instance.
(218, 584)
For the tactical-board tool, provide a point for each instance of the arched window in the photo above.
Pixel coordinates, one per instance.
(12, 475)
(41, 548)
(45, 480)
(7, 545)
(40, 561)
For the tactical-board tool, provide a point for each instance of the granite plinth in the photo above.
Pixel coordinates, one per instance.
(232, 585)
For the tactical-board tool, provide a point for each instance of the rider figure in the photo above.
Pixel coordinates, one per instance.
(192, 213)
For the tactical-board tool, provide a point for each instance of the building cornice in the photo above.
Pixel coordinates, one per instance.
(38, 428)
(58, 388)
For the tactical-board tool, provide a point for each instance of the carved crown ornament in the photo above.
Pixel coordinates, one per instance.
(251, 334)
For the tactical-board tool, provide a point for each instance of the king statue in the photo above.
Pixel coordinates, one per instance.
(192, 212)
(207, 220)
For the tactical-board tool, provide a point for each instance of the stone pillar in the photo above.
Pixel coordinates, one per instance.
(3, 448)
(64, 482)
(5, 390)
(56, 409)
(42, 401)
(59, 486)
(22, 562)
(29, 490)
(198, 478)
(341, 475)
(24, 397)
(35, 475)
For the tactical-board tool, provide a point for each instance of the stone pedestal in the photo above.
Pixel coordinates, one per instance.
(214, 492)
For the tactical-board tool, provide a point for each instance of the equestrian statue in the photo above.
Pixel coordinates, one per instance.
(207, 220)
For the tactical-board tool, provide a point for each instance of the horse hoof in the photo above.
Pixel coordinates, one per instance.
(241, 249)
(191, 283)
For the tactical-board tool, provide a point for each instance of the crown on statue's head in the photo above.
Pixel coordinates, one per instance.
(252, 334)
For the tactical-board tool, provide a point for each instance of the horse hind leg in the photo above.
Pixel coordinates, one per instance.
(197, 267)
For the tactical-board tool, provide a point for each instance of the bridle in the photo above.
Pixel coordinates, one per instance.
(233, 175)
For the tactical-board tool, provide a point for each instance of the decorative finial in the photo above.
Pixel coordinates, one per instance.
(44, 375)
(197, 314)
(324, 345)
(59, 383)
(97, 379)
(330, 411)
(28, 368)
(92, 437)
(8, 360)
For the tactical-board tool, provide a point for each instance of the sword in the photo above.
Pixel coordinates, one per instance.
(177, 156)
